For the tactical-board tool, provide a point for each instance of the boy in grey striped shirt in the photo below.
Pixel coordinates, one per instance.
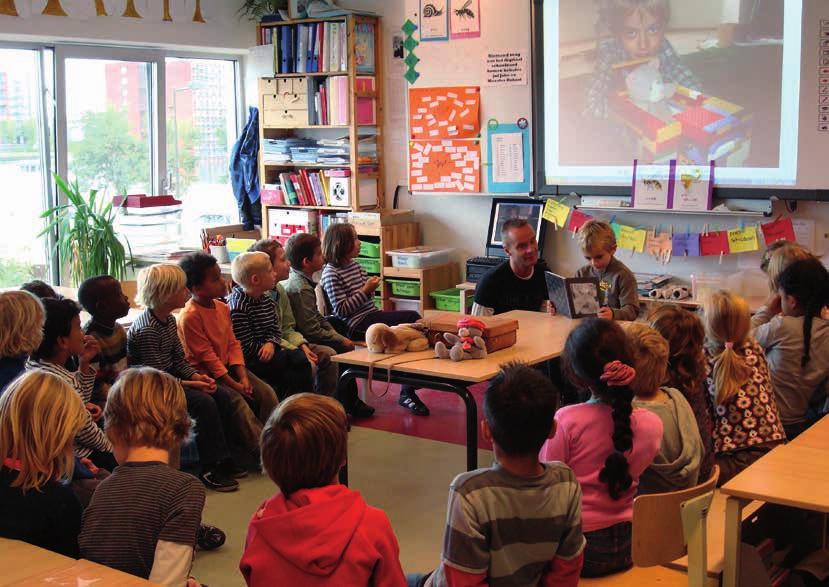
(519, 521)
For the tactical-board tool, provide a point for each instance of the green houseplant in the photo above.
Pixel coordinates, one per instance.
(86, 237)
(257, 9)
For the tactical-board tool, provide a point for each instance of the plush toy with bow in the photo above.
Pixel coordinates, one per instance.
(467, 344)
(381, 338)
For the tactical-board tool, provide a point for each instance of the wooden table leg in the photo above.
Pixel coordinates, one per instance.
(464, 293)
(733, 540)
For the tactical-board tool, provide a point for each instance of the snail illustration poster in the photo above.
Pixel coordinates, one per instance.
(434, 20)
(464, 19)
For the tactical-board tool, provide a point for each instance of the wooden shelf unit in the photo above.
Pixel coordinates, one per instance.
(431, 279)
(268, 173)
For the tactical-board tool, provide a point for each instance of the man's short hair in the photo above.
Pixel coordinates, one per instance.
(305, 442)
(596, 234)
(89, 292)
(513, 224)
(147, 407)
(300, 247)
(246, 265)
(650, 357)
(519, 405)
(158, 283)
(195, 267)
(59, 315)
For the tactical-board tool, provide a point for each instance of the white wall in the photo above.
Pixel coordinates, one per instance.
(223, 30)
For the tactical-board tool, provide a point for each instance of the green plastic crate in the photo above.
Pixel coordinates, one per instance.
(402, 287)
(371, 266)
(370, 250)
(449, 300)
(378, 302)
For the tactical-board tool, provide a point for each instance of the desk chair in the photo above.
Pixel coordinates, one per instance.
(666, 526)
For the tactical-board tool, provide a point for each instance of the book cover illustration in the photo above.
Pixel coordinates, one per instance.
(573, 297)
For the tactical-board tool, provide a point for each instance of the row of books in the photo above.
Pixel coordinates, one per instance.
(319, 47)
(328, 101)
(304, 187)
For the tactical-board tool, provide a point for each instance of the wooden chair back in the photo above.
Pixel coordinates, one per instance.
(130, 288)
(658, 536)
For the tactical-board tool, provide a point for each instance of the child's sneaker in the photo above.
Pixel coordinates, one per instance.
(214, 480)
(209, 537)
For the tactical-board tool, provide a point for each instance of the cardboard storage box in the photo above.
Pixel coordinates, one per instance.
(227, 231)
(500, 333)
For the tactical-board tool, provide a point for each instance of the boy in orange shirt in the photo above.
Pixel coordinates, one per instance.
(209, 345)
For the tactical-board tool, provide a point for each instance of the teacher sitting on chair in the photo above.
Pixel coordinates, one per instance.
(516, 284)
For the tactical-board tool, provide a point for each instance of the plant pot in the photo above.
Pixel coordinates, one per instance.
(220, 252)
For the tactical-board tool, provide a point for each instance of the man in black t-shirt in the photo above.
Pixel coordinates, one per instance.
(516, 284)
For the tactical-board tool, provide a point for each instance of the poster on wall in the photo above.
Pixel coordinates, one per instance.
(434, 20)
(445, 166)
(444, 113)
(464, 19)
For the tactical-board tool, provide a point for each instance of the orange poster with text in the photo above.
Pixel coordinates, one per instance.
(445, 166)
(445, 113)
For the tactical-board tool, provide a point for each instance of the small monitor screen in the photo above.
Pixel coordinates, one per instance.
(509, 209)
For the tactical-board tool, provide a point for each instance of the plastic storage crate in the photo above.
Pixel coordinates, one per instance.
(372, 266)
(419, 257)
(371, 250)
(403, 287)
(378, 302)
(449, 300)
(401, 304)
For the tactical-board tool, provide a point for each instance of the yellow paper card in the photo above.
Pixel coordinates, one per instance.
(632, 238)
(556, 212)
(743, 240)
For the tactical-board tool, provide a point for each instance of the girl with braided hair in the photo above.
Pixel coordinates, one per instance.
(796, 342)
(606, 442)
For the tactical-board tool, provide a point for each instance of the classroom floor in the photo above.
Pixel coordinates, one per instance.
(406, 473)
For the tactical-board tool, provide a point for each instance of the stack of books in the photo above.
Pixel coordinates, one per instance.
(280, 150)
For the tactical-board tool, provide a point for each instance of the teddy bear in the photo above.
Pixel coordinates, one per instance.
(467, 344)
(381, 338)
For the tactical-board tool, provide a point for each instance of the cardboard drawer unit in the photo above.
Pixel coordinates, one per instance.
(284, 102)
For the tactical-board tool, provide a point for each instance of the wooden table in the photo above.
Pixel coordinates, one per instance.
(540, 338)
(816, 436)
(795, 475)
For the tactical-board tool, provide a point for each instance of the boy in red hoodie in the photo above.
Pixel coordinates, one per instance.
(315, 531)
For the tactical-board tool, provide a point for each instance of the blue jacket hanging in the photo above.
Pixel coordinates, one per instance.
(244, 161)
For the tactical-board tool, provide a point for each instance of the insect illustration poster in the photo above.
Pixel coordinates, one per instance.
(653, 186)
(465, 19)
(434, 20)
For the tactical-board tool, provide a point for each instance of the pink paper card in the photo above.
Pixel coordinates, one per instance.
(577, 220)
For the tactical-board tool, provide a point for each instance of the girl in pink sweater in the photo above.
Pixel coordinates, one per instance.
(606, 442)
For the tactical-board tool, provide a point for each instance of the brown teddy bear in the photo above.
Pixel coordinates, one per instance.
(381, 338)
(467, 344)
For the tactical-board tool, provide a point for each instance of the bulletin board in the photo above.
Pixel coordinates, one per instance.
(457, 57)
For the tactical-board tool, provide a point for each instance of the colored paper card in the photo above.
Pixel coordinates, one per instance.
(653, 186)
(434, 20)
(713, 243)
(578, 219)
(693, 187)
(685, 245)
(804, 232)
(780, 229)
(658, 245)
(617, 230)
(445, 113)
(508, 149)
(743, 240)
(445, 166)
(465, 19)
(555, 212)
(631, 238)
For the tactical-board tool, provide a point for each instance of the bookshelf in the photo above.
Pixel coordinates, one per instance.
(296, 104)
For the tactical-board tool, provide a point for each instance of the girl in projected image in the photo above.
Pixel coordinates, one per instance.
(638, 33)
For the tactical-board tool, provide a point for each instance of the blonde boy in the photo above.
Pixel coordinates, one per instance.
(619, 295)
(255, 323)
(677, 464)
(144, 518)
(314, 531)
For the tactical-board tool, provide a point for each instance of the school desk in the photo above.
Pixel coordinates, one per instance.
(816, 436)
(791, 475)
(540, 338)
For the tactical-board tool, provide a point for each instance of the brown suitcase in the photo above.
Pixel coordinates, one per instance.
(500, 333)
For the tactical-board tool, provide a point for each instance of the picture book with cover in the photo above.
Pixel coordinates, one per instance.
(573, 297)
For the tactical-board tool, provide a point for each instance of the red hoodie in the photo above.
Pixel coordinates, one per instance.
(323, 536)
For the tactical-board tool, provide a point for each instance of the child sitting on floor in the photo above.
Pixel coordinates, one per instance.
(746, 420)
(686, 370)
(319, 355)
(350, 292)
(40, 415)
(21, 332)
(516, 502)
(144, 518)
(796, 343)
(62, 339)
(254, 317)
(606, 442)
(315, 531)
(676, 465)
(152, 341)
(103, 299)
(206, 333)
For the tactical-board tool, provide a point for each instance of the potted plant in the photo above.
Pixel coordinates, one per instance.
(263, 10)
(86, 235)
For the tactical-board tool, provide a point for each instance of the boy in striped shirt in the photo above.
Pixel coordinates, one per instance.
(254, 317)
(519, 521)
